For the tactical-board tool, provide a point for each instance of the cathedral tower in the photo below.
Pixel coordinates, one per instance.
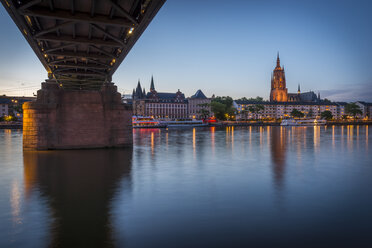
(279, 92)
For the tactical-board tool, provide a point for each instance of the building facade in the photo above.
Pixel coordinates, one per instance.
(4, 107)
(280, 110)
(366, 108)
(159, 104)
(12, 105)
(199, 106)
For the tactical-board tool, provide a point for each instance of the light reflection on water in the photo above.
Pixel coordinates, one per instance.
(197, 187)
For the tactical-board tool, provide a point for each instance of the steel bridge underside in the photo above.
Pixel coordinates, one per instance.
(81, 43)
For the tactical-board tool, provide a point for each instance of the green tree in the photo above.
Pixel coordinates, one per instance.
(326, 115)
(219, 110)
(228, 101)
(297, 114)
(10, 118)
(353, 109)
(18, 108)
(256, 99)
(222, 107)
(242, 99)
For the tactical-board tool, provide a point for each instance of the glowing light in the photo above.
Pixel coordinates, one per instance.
(28, 20)
(130, 31)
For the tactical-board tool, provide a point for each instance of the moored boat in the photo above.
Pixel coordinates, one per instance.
(185, 123)
(304, 122)
(146, 122)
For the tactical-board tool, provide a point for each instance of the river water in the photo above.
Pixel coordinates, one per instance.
(207, 187)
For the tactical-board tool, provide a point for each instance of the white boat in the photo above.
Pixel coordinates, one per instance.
(145, 122)
(304, 122)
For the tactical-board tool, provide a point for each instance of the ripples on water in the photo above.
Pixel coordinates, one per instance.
(209, 187)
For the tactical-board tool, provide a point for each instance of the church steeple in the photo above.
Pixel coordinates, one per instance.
(298, 90)
(139, 90)
(277, 60)
(152, 87)
(279, 92)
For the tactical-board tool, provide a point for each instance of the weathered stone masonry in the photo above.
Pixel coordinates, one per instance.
(75, 119)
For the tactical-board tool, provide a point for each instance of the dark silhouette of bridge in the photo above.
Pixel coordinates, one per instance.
(81, 43)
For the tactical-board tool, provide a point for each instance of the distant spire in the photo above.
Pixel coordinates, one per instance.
(152, 87)
(298, 91)
(144, 92)
(139, 90)
(318, 95)
(277, 60)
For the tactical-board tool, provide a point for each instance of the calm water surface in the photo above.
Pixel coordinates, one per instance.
(230, 187)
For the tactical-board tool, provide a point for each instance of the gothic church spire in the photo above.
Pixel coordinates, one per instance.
(152, 87)
(277, 61)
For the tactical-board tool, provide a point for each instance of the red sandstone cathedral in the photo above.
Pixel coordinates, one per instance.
(279, 91)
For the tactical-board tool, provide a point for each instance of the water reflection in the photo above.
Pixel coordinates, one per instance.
(79, 187)
(15, 202)
(316, 137)
(224, 196)
(366, 136)
(278, 148)
(194, 142)
(213, 130)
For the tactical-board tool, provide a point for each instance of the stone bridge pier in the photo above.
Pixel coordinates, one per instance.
(76, 119)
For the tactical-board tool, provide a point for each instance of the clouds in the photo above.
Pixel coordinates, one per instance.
(349, 93)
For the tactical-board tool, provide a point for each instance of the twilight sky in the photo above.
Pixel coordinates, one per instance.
(229, 48)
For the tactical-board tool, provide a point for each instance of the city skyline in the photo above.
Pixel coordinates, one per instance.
(225, 50)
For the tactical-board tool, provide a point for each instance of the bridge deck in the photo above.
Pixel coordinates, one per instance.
(82, 42)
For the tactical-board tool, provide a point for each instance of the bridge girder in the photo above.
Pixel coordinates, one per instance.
(81, 40)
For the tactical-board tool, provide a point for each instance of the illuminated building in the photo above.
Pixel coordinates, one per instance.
(279, 91)
(159, 104)
(278, 110)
